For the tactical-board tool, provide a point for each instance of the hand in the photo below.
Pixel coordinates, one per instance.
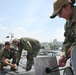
(13, 66)
(62, 61)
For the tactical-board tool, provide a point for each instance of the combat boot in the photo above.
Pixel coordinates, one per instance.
(29, 65)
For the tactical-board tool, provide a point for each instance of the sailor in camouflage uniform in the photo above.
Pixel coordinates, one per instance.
(6, 54)
(32, 46)
(65, 9)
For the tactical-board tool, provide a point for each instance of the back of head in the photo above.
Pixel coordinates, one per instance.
(15, 41)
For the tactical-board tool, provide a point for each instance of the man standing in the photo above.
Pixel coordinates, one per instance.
(7, 54)
(32, 46)
(65, 9)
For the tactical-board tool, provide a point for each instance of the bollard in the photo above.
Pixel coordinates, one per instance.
(42, 62)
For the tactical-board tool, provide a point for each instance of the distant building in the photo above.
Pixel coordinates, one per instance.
(46, 45)
(55, 42)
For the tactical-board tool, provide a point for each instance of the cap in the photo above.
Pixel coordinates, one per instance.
(7, 43)
(58, 4)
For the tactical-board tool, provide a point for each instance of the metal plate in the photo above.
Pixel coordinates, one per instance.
(42, 62)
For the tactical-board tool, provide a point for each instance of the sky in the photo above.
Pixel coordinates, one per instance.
(30, 18)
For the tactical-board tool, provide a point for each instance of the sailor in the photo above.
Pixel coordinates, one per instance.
(32, 46)
(6, 54)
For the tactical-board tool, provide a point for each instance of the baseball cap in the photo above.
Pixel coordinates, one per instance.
(58, 4)
(7, 43)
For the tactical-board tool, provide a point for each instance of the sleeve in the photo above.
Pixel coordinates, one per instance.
(1, 52)
(66, 45)
(74, 33)
(70, 33)
(3, 55)
(69, 40)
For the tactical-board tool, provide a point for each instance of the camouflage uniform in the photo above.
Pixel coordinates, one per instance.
(32, 47)
(70, 33)
(8, 54)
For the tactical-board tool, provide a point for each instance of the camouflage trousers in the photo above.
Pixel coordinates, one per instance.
(29, 64)
(30, 57)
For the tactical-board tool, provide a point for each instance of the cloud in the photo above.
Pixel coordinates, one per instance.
(21, 32)
(58, 34)
(18, 32)
(2, 18)
(39, 34)
(2, 27)
(31, 19)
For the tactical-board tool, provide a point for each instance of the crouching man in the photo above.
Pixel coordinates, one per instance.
(7, 54)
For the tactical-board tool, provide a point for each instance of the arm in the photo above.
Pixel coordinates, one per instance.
(68, 41)
(64, 55)
(74, 36)
(7, 62)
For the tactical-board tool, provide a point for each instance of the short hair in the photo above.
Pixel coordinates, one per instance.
(14, 40)
(7, 43)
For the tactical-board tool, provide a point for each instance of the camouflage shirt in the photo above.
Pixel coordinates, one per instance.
(28, 44)
(70, 33)
(8, 53)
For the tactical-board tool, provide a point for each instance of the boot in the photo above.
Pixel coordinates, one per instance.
(28, 65)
